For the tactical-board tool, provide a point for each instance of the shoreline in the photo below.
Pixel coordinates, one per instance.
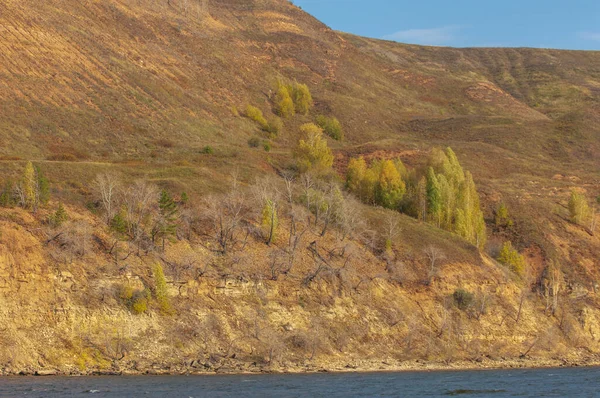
(364, 367)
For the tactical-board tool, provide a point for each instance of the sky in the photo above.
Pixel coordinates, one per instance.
(563, 24)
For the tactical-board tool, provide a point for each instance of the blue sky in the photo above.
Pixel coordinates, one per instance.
(565, 24)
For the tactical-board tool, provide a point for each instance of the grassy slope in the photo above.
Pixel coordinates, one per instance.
(141, 88)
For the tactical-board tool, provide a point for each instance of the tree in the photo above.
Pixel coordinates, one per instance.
(434, 255)
(270, 220)
(225, 215)
(119, 222)
(284, 104)
(184, 199)
(27, 187)
(42, 188)
(59, 216)
(161, 292)
(390, 188)
(421, 197)
(139, 200)
(434, 202)
(357, 167)
(312, 152)
(7, 198)
(107, 186)
(33, 189)
(165, 226)
(578, 207)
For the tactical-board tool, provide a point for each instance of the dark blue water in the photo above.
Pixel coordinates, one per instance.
(576, 382)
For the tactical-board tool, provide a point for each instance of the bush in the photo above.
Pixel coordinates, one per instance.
(254, 142)
(256, 115)
(331, 126)
(208, 150)
(463, 299)
(274, 127)
(267, 146)
(511, 258)
(136, 301)
(139, 304)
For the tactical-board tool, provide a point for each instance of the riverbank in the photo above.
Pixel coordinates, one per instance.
(358, 366)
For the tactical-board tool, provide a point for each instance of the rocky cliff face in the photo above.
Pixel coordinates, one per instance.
(64, 311)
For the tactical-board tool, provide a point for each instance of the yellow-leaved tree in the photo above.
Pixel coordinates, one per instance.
(312, 152)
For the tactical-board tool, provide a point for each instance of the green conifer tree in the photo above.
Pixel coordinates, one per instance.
(166, 224)
(59, 216)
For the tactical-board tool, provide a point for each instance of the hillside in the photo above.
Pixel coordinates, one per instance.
(142, 88)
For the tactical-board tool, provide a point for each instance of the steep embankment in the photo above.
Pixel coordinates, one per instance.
(139, 87)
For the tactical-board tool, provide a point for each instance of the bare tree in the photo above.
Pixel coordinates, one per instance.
(140, 200)
(107, 185)
(225, 216)
(435, 255)
(392, 230)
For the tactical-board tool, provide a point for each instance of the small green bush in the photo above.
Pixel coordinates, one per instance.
(267, 146)
(208, 150)
(331, 126)
(463, 299)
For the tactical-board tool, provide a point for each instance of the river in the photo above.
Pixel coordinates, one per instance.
(562, 382)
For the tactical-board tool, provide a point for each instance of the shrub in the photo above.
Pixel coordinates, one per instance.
(139, 305)
(256, 115)
(136, 301)
(502, 218)
(331, 126)
(274, 127)
(267, 146)
(208, 150)
(511, 258)
(463, 299)
(254, 142)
